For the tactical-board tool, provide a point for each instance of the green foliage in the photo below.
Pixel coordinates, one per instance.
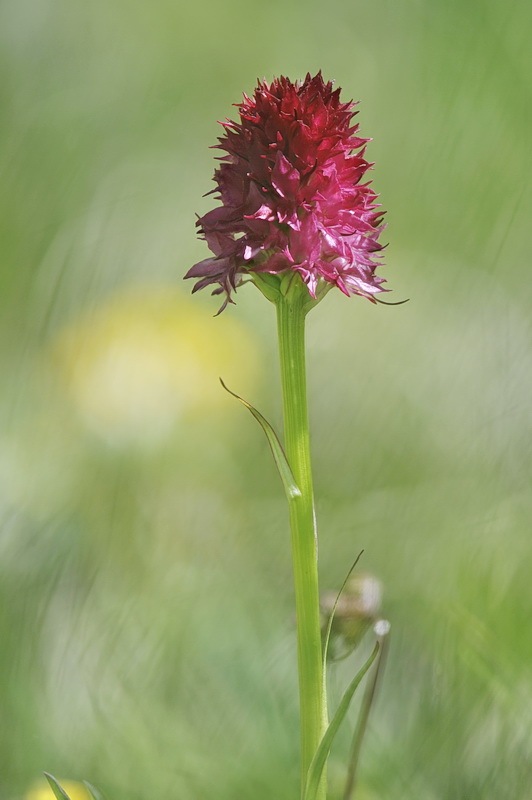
(320, 759)
(283, 467)
(328, 629)
(57, 789)
(93, 791)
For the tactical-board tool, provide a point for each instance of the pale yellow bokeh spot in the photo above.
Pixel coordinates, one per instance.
(149, 360)
(41, 791)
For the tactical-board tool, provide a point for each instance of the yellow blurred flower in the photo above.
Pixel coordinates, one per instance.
(41, 790)
(150, 359)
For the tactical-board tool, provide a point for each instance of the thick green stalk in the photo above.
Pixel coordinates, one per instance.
(313, 709)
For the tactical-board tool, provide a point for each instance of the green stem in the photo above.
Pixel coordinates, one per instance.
(312, 701)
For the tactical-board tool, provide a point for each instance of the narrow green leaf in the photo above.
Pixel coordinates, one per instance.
(322, 753)
(56, 788)
(331, 617)
(290, 486)
(93, 791)
(382, 631)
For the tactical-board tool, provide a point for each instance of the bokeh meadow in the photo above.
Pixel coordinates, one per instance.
(146, 606)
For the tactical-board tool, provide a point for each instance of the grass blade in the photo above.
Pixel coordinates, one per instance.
(322, 753)
(93, 791)
(331, 616)
(56, 788)
(290, 486)
(382, 629)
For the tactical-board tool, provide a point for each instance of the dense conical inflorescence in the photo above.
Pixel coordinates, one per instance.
(292, 196)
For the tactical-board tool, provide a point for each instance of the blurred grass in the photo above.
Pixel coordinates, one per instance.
(146, 618)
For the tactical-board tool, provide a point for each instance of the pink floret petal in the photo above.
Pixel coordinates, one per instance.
(291, 194)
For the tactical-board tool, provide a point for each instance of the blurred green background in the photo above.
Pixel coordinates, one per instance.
(146, 607)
